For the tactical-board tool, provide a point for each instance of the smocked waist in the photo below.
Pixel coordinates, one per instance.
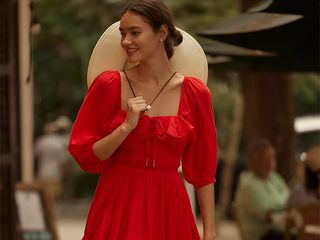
(140, 161)
(142, 168)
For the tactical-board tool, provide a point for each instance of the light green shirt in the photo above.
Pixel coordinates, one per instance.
(255, 197)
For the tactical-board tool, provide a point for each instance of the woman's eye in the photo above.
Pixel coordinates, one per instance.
(135, 33)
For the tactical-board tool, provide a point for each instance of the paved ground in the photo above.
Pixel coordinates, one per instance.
(71, 220)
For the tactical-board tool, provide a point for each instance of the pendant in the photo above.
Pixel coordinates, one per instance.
(148, 107)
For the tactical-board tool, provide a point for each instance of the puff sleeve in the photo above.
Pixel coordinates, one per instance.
(200, 155)
(97, 107)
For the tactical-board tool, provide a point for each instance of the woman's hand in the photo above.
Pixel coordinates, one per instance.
(106, 146)
(135, 106)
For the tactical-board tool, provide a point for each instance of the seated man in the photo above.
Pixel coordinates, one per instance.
(261, 192)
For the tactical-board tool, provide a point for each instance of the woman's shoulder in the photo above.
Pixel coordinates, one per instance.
(105, 79)
(196, 87)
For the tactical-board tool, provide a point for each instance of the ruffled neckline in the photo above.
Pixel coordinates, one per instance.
(153, 117)
(162, 126)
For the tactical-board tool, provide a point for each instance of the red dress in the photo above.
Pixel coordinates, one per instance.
(140, 194)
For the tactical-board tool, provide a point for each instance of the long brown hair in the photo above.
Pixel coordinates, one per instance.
(156, 13)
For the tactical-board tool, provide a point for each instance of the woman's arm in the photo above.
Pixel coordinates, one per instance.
(106, 146)
(206, 202)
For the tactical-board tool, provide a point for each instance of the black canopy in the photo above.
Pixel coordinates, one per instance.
(274, 35)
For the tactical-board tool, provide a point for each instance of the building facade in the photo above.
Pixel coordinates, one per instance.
(16, 122)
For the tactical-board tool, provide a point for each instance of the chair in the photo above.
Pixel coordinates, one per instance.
(304, 221)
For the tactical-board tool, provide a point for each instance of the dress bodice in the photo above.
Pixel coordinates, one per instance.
(156, 143)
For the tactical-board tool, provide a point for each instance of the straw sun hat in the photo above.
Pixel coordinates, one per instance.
(188, 59)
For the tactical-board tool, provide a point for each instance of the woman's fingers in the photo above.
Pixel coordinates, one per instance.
(137, 100)
(137, 104)
(138, 107)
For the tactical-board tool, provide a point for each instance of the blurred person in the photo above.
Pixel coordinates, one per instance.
(68, 168)
(134, 128)
(64, 124)
(261, 194)
(307, 190)
(50, 155)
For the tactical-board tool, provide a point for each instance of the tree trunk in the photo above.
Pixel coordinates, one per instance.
(269, 111)
(269, 114)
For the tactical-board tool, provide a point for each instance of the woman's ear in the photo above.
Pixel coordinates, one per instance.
(163, 32)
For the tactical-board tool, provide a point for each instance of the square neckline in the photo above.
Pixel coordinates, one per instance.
(146, 115)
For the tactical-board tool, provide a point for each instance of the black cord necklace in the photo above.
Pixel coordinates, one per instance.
(149, 105)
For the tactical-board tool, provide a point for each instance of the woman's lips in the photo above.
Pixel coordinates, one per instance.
(131, 50)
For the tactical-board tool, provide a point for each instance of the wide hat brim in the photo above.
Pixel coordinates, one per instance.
(189, 58)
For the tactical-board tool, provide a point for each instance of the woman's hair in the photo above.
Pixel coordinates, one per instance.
(312, 170)
(156, 13)
(312, 180)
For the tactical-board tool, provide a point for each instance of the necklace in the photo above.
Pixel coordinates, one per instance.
(149, 105)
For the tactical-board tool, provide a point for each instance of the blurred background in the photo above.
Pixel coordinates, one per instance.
(263, 72)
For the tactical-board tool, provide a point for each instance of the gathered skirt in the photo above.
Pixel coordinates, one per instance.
(140, 204)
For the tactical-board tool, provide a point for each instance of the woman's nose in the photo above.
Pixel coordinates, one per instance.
(126, 41)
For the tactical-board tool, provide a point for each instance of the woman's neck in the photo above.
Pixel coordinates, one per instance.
(156, 70)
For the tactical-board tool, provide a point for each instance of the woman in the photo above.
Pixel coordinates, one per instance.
(308, 190)
(135, 127)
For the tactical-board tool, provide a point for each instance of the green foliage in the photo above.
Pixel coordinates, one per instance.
(84, 185)
(196, 16)
(69, 31)
(306, 93)
(224, 88)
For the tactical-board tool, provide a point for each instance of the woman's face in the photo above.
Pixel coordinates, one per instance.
(138, 38)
